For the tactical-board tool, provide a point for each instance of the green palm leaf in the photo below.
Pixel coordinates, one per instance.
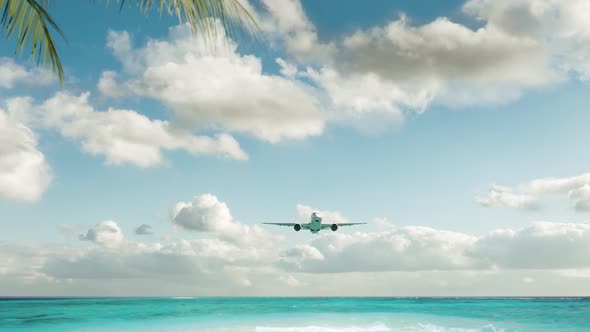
(29, 23)
(231, 13)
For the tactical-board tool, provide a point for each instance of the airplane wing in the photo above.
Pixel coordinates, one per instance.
(288, 224)
(343, 224)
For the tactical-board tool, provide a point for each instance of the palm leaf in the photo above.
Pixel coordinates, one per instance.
(29, 23)
(231, 13)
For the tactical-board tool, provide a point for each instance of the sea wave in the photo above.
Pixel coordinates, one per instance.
(435, 328)
(376, 328)
(182, 298)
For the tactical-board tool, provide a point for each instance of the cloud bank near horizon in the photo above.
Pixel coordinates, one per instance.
(247, 258)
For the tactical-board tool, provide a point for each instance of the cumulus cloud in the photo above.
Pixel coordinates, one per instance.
(363, 263)
(217, 263)
(299, 35)
(126, 136)
(206, 213)
(581, 197)
(106, 233)
(504, 196)
(24, 172)
(443, 50)
(446, 62)
(291, 281)
(363, 94)
(443, 61)
(541, 245)
(561, 25)
(144, 229)
(171, 265)
(287, 69)
(295, 258)
(401, 66)
(231, 91)
(12, 73)
(576, 188)
(366, 79)
(409, 248)
(519, 45)
(553, 185)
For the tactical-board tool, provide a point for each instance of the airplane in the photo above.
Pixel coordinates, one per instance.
(315, 225)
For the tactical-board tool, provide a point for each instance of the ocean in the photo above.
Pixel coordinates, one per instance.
(295, 314)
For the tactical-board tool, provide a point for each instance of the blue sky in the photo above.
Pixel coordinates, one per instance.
(440, 103)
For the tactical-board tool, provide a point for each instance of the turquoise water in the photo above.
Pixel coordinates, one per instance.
(296, 314)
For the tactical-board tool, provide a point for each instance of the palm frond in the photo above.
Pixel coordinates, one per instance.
(231, 13)
(29, 23)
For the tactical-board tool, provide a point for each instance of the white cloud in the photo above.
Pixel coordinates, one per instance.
(291, 281)
(12, 73)
(408, 248)
(206, 213)
(303, 252)
(519, 45)
(144, 229)
(177, 268)
(445, 51)
(402, 66)
(425, 261)
(577, 189)
(558, 185)
(581, 197)
(504, 196)
(575, 273)
(366, 79)
(23, 262)
(107, 84)
(528, 280)
(440, 61)
(287, 69)
(542, 245)
(171, 265)
(125, 136)
(305, 211)
(230, 91)
(561, 25)
(369, 93)
(24, 172)
(217, 263)
(106, 233)
(288, 19)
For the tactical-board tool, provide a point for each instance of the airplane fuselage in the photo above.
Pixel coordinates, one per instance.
(315, 224)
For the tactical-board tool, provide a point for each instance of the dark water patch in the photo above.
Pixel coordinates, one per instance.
(47, 320)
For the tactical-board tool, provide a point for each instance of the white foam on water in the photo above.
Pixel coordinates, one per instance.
(375, 328)
(183, 298)
(435, 328)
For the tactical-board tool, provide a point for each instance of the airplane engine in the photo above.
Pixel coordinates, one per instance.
(334, 227)
(297, 227)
